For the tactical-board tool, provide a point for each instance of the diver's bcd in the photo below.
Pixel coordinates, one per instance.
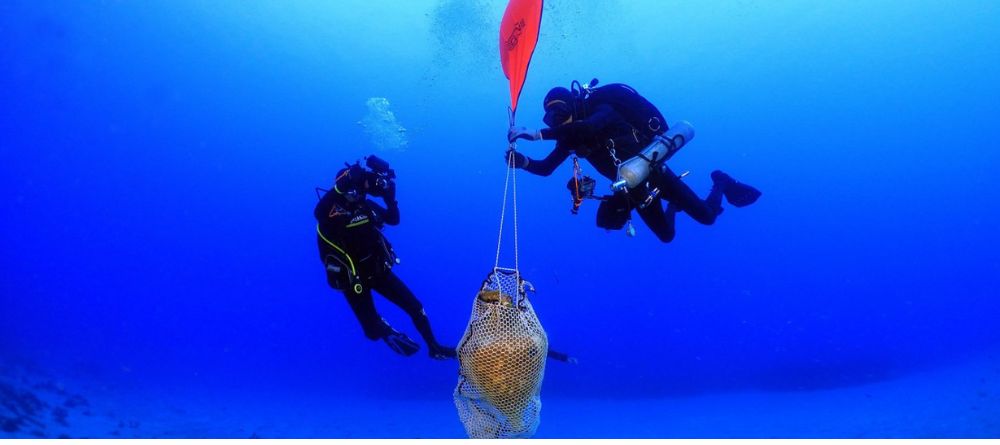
(639, 112)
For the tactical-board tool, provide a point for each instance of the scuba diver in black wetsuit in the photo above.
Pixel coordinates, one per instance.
(359, 259)
(610, 125)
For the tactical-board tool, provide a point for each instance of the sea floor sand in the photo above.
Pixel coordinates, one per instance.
(958, 401)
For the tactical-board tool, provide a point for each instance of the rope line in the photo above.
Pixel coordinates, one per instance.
(510, 183)
(503, 209)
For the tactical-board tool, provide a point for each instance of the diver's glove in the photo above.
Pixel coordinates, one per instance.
(389, 192)
(515, 133)
(400, 343)
(520, 160)
(563, 357)
(438, 352)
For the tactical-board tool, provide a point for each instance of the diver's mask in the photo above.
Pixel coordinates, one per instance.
(350, 183)
(557, 112)
(352, 195)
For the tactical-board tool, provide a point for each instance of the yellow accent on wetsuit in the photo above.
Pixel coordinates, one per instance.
(331, 244)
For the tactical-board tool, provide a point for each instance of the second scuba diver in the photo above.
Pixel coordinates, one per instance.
(359, 259)
(608, 126)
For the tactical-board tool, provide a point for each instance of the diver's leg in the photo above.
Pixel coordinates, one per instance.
(659, 221)
(372, 323)
(737, 193)
(681, 196)
(375, 326)
(394, 290)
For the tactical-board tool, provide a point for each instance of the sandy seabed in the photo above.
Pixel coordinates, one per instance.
(958, 401)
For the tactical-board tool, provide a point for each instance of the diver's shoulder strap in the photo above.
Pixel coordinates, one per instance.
(338, 249)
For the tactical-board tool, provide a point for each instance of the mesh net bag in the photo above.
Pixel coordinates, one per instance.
(501, 362)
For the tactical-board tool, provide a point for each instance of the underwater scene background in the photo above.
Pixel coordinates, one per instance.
(160, 276)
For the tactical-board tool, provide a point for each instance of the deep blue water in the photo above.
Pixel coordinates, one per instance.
(158, 161)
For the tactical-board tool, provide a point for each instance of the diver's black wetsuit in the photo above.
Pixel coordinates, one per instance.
(593, 138)
(358, 238)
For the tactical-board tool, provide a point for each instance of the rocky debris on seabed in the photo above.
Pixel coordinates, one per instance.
(59, 415)
(20, 409)
(76, 400)
(33, 404)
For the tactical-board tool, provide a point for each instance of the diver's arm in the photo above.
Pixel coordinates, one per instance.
(390, 214)
(548, 165)
(583, 131)
(385, 215)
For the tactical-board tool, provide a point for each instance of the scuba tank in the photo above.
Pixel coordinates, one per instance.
(634, 171)
(648, 125)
